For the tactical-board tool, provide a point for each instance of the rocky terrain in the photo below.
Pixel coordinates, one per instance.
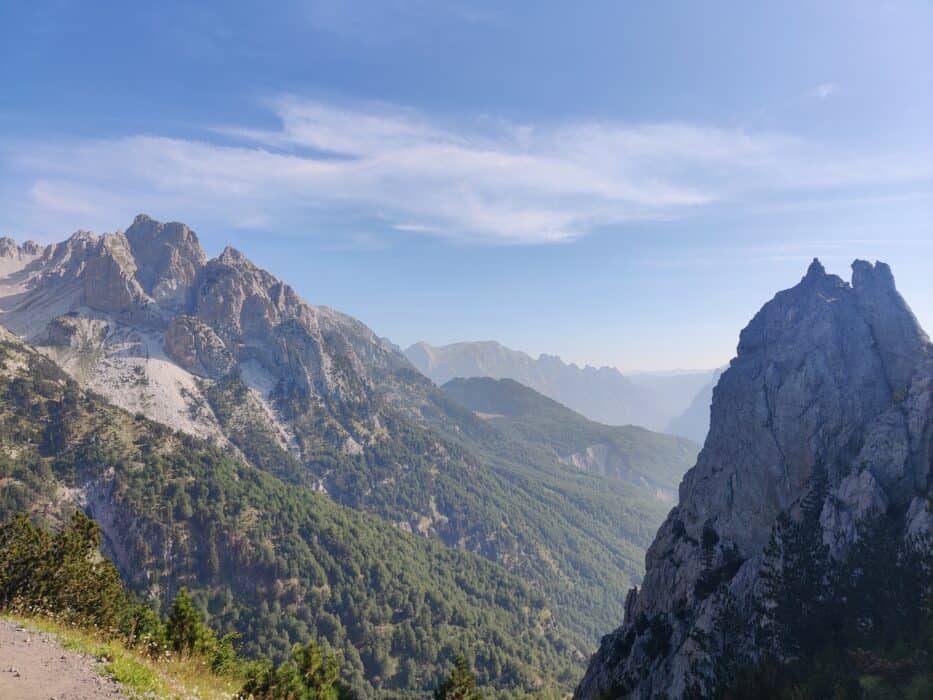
(34, 666)
(142, 315)
(819, 449)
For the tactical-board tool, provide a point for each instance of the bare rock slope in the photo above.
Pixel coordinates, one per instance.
(141, 315)
(826, 413)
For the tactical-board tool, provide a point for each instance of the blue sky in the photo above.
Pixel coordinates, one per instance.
(619, 183)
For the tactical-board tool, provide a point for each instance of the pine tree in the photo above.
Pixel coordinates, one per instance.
(310, 674)
(23, 548)
(461, 685)
(797, 573)
(187, 633)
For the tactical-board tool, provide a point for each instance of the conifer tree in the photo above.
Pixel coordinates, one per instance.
(461, 685)
(187, 633)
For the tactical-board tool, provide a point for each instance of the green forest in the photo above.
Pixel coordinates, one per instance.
(64, 576)
(859, 627)
(274, 563)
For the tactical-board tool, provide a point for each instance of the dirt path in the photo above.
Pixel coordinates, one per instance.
(33, 666)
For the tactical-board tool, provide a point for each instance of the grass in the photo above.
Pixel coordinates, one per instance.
(141, 677)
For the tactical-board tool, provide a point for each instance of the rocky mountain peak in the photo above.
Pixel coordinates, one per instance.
(8, 246)
(815, 270)
(233, 257)
(168, 258)
(10, 249)
(827, 400)
(865, 275)
(895, 329)
(105, 306)
(82, 238)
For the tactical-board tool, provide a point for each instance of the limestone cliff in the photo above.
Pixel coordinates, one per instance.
(824, 420)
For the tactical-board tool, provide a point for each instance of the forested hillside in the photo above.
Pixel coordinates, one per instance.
(277, 563)
(649, 460)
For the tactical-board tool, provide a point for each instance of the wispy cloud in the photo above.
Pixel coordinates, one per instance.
(486, 180)
(824, 90)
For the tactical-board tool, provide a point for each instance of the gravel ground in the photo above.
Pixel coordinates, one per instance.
(33, 666)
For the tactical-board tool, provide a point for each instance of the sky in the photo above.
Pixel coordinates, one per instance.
(619, 183)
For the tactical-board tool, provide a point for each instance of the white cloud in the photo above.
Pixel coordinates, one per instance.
(486, 180)
(824, 90)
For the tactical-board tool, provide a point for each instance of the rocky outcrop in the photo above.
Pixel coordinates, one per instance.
(10, 249)
(168, 256)
(70, 330)
(825, 410)
(109, 278)
(195, 346)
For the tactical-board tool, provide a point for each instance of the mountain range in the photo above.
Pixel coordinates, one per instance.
(316, 477)
(603, 394)
(693, 422)
(304, 480)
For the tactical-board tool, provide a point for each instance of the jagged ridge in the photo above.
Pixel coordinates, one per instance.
(826, 414)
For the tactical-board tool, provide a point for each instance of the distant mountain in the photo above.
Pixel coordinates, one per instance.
(651, 460)
(309, 397)
(673, 391)
(799, 560)
(601, 394)
(693, 423)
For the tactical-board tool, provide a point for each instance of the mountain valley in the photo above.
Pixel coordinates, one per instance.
(333, 427)
(603, 394)
(648, 460)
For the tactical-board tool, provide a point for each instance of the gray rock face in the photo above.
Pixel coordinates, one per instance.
(831, 381)
(10, 249)
(169, 258)
(109, 278)
(195, 346)
(73, 331)
(208, 316)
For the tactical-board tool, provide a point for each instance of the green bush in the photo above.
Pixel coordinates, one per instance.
(64, 575)
(461, 685)
(310, 674)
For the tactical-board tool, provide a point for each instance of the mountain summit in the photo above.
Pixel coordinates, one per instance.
(148, 300)
(819, 448)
